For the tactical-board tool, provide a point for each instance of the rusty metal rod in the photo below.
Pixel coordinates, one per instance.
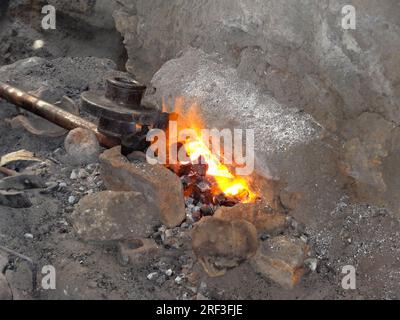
(52, 113)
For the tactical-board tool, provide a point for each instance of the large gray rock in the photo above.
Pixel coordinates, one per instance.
(291, 48)
(112, 216)
(288, 143)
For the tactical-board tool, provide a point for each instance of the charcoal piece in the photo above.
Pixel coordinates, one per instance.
(186, 170)
(230, 202)
(196, 215)
(203, 186)
(189, 201)
(186, 181)
(202, 192)
(207, 198)
(217, 200)
(207, 210)
(200, 168)
(188, 192)
(224, 201)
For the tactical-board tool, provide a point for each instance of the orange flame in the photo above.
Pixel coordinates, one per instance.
(228, 183)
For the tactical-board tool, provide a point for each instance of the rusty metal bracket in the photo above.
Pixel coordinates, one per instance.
(119, 108)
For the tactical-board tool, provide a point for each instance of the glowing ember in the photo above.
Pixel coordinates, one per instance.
(196, 148)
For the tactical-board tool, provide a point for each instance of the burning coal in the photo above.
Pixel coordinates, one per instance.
(208, 169)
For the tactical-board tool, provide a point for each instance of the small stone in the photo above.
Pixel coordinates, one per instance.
(169, 233)
(186, 296)
(152, 276)
(304, 238)
(169, 272)
(92, 167)
(82, 146)
(82, 174)
(72, 200)
(185, 225)
(203, 287)
(28, 236)
(179, 279)
(201, 297)
(74, 175)
(62, 185)
(311, 264)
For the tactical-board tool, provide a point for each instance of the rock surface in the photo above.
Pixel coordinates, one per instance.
(110, 216)
(298, 51)
(161, 188)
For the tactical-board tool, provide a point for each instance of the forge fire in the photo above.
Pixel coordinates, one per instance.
(205, 166)
(199, 151)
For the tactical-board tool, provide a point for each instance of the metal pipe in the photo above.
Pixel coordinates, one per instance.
(52, 113)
